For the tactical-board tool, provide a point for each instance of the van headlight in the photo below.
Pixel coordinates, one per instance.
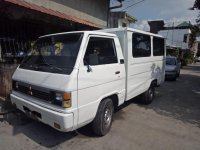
(59, 97)
(63, 99)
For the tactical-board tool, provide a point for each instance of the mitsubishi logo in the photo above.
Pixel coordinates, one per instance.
(30, 91)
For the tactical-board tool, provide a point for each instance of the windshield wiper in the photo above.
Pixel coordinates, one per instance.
(50, 65)
(47, 64)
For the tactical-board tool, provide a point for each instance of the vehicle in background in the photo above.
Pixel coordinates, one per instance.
(172, 68)
(198, 59)
(72, 79)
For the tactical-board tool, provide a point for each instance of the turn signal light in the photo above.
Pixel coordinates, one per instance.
(67, 104)
(56, 125)
(63, 98)
(67, 100)
(66, 96)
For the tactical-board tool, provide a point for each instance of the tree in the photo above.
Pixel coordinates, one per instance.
(195, 29)
(194, 33)
(197, 6)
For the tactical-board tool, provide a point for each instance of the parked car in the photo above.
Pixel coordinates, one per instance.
(76, 78)
(198, 59)
(172, 68)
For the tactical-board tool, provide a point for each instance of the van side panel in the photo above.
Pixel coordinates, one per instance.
(141, 71)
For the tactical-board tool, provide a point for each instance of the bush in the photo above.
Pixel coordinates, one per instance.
(188, 58)
(173, 52)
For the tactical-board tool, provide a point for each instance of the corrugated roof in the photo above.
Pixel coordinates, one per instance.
(51, 12)
(184, 24)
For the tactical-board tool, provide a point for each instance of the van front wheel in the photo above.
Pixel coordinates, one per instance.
(103, 120)
(148, 96)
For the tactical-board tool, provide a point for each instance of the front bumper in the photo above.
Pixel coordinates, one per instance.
(171, 74)
(47, 116)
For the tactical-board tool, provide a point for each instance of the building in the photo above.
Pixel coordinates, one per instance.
(23, 21)
(177, 34)
(120, 19)
(156, 26)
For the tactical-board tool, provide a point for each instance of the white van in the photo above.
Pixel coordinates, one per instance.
(71, 79)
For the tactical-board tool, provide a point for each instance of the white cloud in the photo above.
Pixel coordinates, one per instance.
(142, 25)
(166, 9)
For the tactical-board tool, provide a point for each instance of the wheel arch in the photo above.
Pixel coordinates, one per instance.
(114, 97)
(150, 82)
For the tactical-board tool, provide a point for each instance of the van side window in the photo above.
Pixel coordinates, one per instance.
(158, 46)
(141, 45)
(100, 51)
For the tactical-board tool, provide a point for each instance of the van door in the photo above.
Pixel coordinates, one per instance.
(101, 74)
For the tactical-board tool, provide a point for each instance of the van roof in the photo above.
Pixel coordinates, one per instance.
(85, 32)
(131, 30)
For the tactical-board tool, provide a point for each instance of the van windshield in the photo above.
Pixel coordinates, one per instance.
(56, 53)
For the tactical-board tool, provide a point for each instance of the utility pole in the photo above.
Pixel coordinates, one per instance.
(114, 7)
(173, 33)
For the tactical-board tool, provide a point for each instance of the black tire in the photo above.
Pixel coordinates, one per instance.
(174, 78)
(148, 96)
(178, 74)
(103, 120)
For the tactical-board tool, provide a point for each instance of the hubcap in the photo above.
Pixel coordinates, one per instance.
(107, 117)
(151, 93)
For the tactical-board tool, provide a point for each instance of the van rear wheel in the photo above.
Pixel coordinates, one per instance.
(148, 96)
(103, 120)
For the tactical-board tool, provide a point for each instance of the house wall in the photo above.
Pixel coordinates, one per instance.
(90, 10)
(123, 21)
(174, 38)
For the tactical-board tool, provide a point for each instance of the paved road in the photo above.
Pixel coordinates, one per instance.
(171, 122)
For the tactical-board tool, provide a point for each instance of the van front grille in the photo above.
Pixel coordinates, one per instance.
(32, 91)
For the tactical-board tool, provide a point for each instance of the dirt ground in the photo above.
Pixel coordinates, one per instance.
(171, 122)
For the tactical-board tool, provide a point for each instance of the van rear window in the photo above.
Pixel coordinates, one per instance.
(158, 46)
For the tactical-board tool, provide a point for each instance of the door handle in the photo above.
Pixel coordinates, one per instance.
(117, 72)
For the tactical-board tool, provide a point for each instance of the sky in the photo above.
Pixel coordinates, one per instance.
(167, 10)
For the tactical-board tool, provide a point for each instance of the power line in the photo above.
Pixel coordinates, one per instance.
(133, 5)
(128, 1)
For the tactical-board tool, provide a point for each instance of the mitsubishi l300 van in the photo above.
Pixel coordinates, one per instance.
(68, 80)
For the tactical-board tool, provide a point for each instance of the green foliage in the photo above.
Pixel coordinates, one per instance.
(197, 4)
(195, 31)
(173, 52)
(188, 58)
